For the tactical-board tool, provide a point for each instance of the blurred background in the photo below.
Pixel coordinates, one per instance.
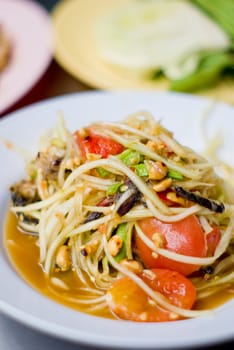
(48, 4)
(125, 44)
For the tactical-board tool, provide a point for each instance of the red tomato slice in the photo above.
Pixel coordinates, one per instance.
(184, 237)
(212, 239)
(128, 301)
(98, 144)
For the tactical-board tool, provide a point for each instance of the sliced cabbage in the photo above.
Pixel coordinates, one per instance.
(158, 34)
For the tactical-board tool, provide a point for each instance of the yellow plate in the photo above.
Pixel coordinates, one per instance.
(76, 51)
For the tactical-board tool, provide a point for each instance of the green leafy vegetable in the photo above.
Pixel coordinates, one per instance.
(130, 157)
(102, 172)
(122, 233)
(209, 71)
(222, 11)
(112, 189)
(141, 169)
(173, 174)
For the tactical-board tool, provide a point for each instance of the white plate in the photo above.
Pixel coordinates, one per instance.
(28, 27)
(180, 113)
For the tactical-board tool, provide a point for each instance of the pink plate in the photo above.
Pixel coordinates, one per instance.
(28, 27)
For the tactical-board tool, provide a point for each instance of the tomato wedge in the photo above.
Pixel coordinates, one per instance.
(212, 239)
(128, 301)
(97, 144)
(184, 237)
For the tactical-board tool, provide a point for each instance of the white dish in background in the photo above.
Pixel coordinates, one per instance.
(28, 27)
(180, 113)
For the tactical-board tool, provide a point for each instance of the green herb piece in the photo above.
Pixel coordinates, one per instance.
(102, 172)
(173, 174)
(130, 157)
(141, 169)
(123, 188)
(112, 189)
(122, 233)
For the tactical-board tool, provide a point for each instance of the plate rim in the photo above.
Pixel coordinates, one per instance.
(40, 11)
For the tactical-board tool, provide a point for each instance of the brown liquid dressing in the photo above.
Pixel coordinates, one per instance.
(24, 255)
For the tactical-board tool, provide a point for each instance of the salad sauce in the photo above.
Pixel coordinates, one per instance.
(23, 253)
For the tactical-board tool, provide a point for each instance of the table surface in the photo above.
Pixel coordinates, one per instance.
(15, 336)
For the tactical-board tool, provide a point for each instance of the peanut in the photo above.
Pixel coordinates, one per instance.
(63, 258)
(132, 265)
(158, 239)
(114, 245)
(173, 197)
(157, 170)
(162, 185)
